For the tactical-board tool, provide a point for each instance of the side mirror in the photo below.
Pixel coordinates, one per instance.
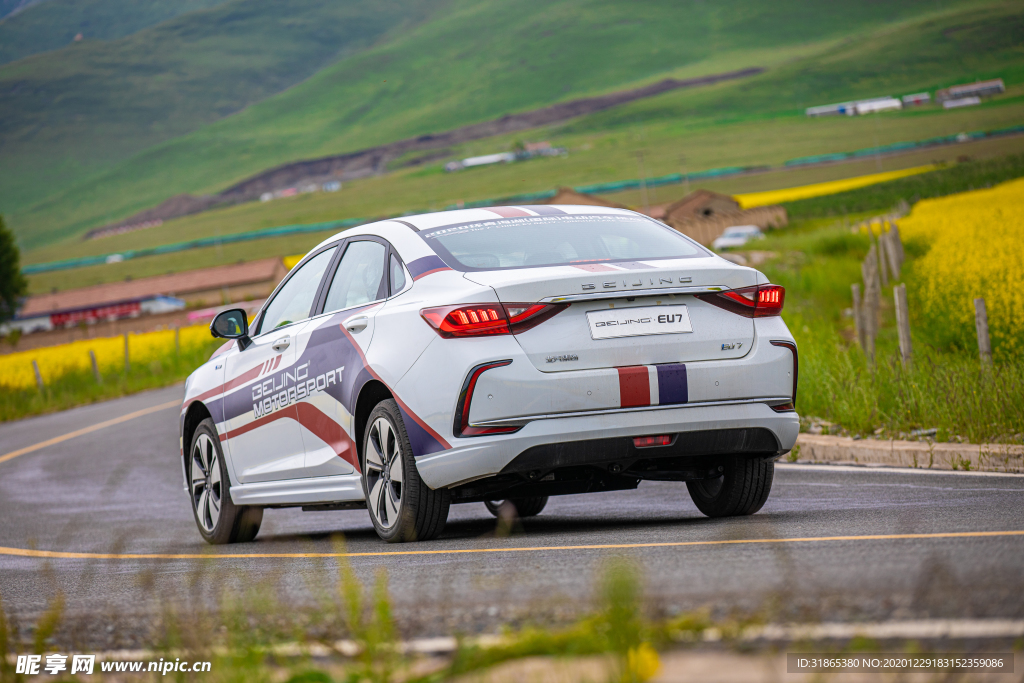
(232, 324)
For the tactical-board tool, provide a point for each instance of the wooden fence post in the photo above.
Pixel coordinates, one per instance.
(981, 325)
(903, 323)
(127, 358)
(892, 252)
(858, 323)
(897, 242)
(883, 270)
(95, 367)
(869, 270)
(39, 377)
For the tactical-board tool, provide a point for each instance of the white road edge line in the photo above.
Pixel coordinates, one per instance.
(886, 469)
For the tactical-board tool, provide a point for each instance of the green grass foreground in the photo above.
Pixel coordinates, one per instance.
(946, 388)
(353, 634)
(254, 635)
(81, 388)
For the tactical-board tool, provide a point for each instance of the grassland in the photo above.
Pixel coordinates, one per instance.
(592, 158)
(446, 72)
(77, 111)
(79, 387)
(947, 388)
(946, 181)
(54, 24)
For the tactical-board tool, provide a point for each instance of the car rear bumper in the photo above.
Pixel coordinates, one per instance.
(472, 459)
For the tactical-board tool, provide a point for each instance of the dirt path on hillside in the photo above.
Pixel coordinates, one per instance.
(373, 161)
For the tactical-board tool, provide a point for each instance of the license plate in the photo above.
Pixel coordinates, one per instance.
(637, 322)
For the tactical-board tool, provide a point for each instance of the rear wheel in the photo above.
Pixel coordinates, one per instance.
(525, 507)
(741, 490)
(219, 520)
(402, 507)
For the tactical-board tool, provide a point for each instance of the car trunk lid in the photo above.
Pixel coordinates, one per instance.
(623, 314)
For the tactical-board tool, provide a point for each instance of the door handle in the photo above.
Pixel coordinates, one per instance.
(357, 323)
(282, 343)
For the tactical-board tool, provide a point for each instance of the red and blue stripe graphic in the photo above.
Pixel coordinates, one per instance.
(425, 266)
(652, 385)
(330, 347)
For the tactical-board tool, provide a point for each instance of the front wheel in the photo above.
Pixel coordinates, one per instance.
(741, 490)
(219, 520)
(525, 507)
(402, 507)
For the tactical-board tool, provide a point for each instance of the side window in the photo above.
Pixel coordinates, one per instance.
(294, 301)
(359, 278)
(397, 276)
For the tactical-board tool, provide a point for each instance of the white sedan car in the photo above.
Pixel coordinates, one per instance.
(737, 236)
(487, 355)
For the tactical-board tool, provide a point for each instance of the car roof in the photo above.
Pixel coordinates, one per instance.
(439, 219)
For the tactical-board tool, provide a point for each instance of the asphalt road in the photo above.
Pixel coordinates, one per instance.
(118, 490)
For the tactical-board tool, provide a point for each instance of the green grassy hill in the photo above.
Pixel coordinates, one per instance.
(11, 6)
(54, 24)
(73, 112)
(479, 59)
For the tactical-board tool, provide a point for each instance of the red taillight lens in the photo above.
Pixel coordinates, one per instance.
(649, 441)
(770, 299)
(758, 301)
(477, 320)
(467, 321)
(523, 317)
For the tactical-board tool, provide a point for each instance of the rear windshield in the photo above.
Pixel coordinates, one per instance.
(534, 241)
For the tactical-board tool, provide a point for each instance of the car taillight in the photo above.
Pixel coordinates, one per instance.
(758, 301)
(523, 317)
(478, 320)
(467, 321)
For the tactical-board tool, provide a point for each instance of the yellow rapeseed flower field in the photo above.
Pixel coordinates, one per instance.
(977, 250)
(791, 194)
(55, 361)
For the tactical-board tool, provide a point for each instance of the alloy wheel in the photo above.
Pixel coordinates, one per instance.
(384, 474)
(207, 487)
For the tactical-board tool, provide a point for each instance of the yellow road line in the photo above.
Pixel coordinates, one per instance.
(51, 554)
(86, 430)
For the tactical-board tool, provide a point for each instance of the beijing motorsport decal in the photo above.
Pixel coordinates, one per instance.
(292, 388)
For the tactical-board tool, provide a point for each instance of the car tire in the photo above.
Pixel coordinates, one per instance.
(402, 507)
(219, 520)
(525, 507)
(741, 490)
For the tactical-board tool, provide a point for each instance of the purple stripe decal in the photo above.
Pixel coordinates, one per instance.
(545, 210)
(427, 264)
(672, 384)
(328, 350)
(422, 441)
